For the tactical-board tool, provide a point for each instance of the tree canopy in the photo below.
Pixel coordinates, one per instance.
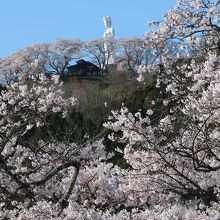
(157, 157)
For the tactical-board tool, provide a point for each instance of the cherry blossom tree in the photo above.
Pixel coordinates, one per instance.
(130, 53)
(8, 74)
(96, 52)
(191, 25)
(22, 108)
(23, 63)
(171, 150)
(61, 53)
(175, 157)
(50, 58)
(174, 150)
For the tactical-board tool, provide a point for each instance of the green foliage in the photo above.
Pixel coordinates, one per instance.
(73, 128)
(208, 196)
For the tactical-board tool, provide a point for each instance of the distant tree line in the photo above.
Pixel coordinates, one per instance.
(53, 58)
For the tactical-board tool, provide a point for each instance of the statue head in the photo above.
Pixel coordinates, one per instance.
(107, 21)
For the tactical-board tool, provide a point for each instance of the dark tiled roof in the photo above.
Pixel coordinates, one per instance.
(82, 65)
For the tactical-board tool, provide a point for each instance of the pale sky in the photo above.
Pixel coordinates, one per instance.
(26, 22)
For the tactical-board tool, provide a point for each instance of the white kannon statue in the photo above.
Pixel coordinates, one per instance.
(108, 36)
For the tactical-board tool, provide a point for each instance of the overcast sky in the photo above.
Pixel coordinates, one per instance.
(26, 22)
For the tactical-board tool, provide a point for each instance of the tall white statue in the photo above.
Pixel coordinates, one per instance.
(108, 36)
